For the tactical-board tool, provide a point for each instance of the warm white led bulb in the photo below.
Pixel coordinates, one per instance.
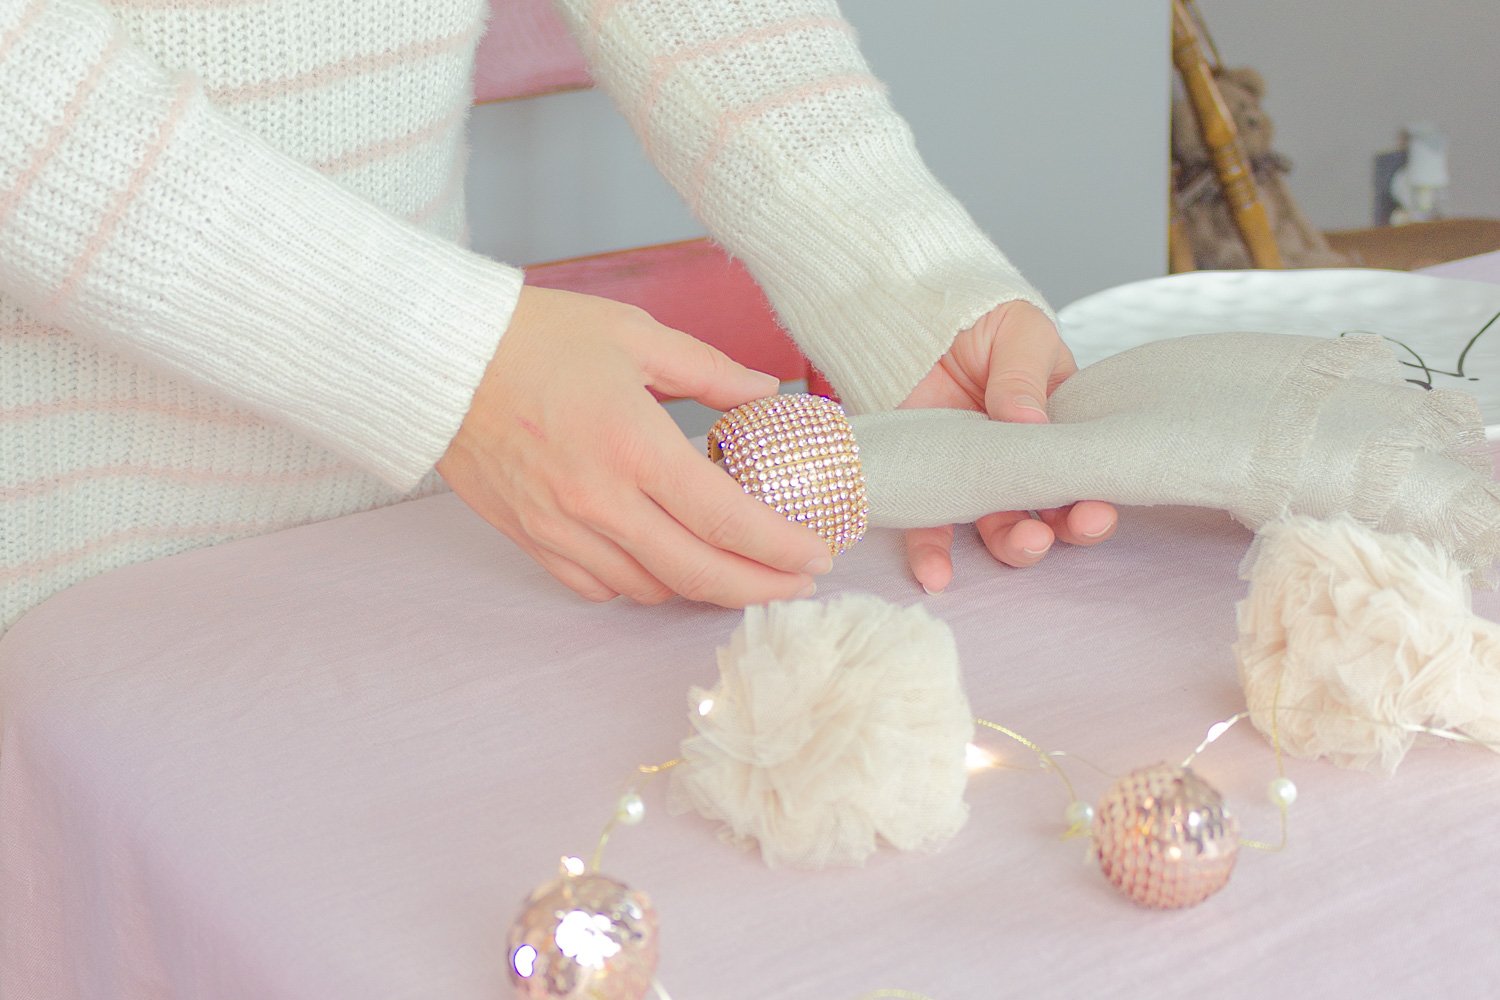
(977, 758)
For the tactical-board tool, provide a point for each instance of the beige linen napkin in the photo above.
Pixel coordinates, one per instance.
(1260, 425)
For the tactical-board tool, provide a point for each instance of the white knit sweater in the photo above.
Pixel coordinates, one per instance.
(231, 296)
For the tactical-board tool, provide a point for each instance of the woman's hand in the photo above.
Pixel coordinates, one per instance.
(566, 451)
(1005, 365)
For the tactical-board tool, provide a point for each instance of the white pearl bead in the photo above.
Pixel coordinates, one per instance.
(1282, 792)
(1078, 814)
(632, 809)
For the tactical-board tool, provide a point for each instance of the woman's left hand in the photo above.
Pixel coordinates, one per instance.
(1005, 365)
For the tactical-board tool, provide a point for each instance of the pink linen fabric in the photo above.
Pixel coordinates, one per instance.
(329, 763)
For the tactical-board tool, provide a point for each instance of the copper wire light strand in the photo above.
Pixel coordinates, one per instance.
(648, 771)
(1046, 758)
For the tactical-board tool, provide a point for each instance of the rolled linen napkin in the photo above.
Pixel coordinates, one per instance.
(1259, 425)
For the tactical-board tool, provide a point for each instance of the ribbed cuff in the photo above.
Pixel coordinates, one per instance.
(875, 276)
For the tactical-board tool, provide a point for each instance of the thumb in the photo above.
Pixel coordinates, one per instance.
(685, 367)
(1016, 392)
(1022, 359)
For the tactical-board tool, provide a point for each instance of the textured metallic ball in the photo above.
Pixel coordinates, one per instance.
(584, 936)
(1164, 837)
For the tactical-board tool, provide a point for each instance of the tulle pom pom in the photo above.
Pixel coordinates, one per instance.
(832, 725)
(1359, 639)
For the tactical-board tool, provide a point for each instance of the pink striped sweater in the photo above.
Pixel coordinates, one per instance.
(232, 292)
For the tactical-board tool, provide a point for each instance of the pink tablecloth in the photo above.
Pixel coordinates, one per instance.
(1485, 267)
(329, 763)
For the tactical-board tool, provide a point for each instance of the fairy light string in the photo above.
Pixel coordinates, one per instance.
(1079, 816)
(630, 809)
(1281, 791)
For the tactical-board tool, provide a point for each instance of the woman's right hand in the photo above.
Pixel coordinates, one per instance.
(565, 450)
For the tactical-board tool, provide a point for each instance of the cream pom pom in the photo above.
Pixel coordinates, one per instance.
(1357, 637)
(831, 725)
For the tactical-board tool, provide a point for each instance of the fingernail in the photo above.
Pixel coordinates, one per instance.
(930, 591)
(1037, 552)
(1097, 534)
(1030, 403)
(808, 591)
(817, 567)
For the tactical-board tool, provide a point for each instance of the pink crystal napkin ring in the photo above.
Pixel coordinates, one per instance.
(797, 454)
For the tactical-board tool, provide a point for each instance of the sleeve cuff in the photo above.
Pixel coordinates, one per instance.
(876, 278)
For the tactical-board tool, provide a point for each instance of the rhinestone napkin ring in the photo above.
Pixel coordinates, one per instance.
(797, 454)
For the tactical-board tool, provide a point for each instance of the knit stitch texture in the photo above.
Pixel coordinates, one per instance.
(233, 296)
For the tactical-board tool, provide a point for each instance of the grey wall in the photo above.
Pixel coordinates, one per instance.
(1048, 118)
(1343, 76)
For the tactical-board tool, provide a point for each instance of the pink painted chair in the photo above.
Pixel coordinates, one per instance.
(691, 286)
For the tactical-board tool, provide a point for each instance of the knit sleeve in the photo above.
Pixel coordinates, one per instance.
(134, 214)
(766, 118)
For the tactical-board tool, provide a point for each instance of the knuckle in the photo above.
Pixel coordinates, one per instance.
(715, 363)
(623, 447)
(724, 527)
(541, 527)
(582, 501)
(634, 316)
(1020, 380)
(658, 594)
(634, 329)
(698, 583)
(992, 531)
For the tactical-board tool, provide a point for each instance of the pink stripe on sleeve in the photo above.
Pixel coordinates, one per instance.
(31, 328)
(187, 477)
(450, 189)
(602, 9)
(22, 25)
(322, 76)
(59, 131)
(733, 121)
(65, 407)
(111, 221)
(184, 4)
(663, 66)
(395, 145)
(196, 532)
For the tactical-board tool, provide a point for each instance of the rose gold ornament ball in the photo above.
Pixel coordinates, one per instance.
(584, 936)
(1164, 837)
